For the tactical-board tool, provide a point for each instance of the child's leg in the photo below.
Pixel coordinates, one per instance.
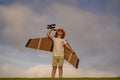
(54, 71)
(54, 64)
(60, 71)
(61, 61)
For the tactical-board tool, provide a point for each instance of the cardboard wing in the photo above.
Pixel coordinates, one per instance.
(46, 44)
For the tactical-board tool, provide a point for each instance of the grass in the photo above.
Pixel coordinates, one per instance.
(117, 78)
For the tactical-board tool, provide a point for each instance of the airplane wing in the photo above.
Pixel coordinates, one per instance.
(40, 44)
(46, 44)
(71, 57)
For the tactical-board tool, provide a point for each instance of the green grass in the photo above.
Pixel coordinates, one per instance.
(60, 78)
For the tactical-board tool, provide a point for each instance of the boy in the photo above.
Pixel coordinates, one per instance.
(58, 50)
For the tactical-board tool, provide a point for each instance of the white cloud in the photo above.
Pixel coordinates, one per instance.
(39, 71)
(22, 23)
(44, 70)
(8, 70)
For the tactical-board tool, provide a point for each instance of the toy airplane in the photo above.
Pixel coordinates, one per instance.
(46, 44)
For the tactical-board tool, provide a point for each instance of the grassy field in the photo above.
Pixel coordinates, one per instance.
(60, 78)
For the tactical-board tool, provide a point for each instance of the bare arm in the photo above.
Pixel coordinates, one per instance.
(68, 47)
(49, 33)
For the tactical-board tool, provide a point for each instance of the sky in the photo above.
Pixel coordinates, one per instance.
(92, 27)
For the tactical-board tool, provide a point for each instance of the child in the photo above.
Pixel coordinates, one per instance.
(58, 50)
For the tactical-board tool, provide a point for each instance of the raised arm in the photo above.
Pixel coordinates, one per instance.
(49, 33)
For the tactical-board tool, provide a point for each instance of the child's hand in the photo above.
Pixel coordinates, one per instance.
(52, 29)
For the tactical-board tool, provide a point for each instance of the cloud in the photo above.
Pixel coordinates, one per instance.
(21, 23)
(39, 71)
(68, 71)
(44, 70)
(8, 70)
(23, 58)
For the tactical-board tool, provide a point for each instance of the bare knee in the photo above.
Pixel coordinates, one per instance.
(54, 67)
(60, 67)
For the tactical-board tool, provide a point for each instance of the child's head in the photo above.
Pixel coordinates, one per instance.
(60, 32)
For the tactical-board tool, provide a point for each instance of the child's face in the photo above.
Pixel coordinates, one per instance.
(60, 33)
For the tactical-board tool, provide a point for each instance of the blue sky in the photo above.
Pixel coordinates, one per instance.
(92, 28)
